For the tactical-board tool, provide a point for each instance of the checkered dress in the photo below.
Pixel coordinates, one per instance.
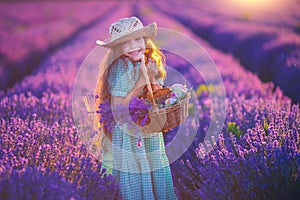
(142, 170)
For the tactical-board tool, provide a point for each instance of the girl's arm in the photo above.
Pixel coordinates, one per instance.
(139, 85)
(136, 90)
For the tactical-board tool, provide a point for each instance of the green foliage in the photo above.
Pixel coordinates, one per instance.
(233, 128)
(266, 126)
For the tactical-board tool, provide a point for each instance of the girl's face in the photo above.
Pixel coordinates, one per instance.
(134, 49)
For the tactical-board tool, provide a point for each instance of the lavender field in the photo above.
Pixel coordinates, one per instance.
(254, 46)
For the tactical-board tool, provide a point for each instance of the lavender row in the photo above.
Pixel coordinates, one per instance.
(27, 40)
(55, 149)
(271, 52)
(236, 170)
(261, 163)
(230, 170)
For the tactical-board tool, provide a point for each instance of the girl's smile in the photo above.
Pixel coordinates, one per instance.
(134, 49)
(135, 54)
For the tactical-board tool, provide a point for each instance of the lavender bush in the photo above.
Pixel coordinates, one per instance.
(55, 148)
(260, 163)
(32, 183)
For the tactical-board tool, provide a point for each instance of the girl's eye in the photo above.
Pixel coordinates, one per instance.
(138, 39)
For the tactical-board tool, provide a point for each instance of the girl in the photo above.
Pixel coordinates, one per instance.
(137, 160)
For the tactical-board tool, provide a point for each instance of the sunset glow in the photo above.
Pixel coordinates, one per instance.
(252, 5)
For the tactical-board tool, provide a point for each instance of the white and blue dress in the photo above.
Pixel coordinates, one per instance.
(143, 171)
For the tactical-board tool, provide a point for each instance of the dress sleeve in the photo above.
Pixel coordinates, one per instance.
(119, 81)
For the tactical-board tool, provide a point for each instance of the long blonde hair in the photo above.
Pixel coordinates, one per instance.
(151, 52)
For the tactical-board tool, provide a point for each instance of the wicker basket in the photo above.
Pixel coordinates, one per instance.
(165, 119)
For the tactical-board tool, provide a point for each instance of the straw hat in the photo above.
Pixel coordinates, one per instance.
(126, 29)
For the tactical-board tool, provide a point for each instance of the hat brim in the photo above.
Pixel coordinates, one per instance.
(149, 31)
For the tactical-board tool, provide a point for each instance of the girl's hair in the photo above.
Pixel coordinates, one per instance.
(102, 91)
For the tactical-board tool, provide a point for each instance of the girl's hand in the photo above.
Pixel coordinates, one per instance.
(151, 69)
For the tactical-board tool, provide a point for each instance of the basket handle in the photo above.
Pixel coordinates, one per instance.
(144, 69)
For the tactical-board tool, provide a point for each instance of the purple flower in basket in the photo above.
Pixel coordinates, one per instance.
(139, 111)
